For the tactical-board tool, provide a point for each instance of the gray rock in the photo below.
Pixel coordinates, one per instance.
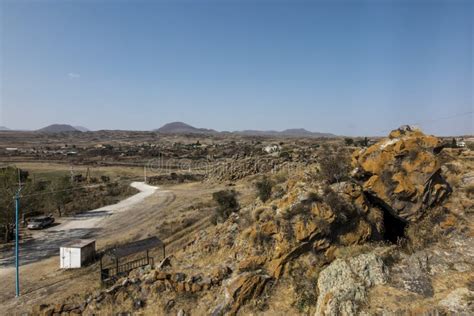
(343, 284)
(412, 274)
(179, 277)
(460, 301)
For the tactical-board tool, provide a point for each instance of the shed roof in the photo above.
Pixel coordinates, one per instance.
(135, 247)
(78, 243)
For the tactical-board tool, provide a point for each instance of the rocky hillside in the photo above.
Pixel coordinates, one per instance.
(393, 236)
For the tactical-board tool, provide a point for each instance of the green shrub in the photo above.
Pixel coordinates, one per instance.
(264, 189)
(226, 204)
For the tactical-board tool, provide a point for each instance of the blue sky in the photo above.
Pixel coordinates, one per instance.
(347, 67)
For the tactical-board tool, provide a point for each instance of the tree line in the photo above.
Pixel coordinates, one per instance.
(37, 197)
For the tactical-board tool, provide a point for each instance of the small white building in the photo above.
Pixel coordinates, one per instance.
(76, 253)
(272, 149)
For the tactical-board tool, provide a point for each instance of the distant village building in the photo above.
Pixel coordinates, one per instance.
(461, 143)
(272, 149)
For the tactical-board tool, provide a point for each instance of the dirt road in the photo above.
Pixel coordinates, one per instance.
(91, 224)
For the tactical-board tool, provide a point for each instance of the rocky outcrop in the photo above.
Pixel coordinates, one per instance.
(343, 284)
(402, 173)
(128, 289)
(241, 289)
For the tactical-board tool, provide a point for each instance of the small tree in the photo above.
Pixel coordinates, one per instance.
(454, 144)
(8, 186)
(61, 193)
(366, 142)
(264, 189)
(349, 141)
(226, 204)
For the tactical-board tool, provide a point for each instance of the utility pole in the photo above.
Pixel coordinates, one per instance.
(17, 228)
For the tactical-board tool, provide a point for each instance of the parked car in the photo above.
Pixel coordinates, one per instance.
(40, 222)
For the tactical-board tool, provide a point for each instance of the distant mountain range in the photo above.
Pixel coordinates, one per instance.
(183, 128)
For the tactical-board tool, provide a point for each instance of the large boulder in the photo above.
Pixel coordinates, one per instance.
(402, 173)
(343, 284)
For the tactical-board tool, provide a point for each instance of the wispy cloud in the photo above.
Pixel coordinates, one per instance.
(73, 75)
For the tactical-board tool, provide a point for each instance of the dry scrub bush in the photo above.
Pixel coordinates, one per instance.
(425, 231)
(262, 239)
(306, 291)
(334, 167)
(281, 177)
(226, 204)
(264, 189)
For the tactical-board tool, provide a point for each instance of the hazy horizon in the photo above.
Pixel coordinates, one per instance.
(347, 68)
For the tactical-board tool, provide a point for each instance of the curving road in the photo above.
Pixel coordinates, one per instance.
(91, 224)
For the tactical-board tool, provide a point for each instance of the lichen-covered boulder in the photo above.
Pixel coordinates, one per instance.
(343, 284)
(402, 173)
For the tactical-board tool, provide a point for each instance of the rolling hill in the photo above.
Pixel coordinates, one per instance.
(58, 128)
(183, 128)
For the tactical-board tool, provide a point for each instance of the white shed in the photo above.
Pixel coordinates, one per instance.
(76, 253)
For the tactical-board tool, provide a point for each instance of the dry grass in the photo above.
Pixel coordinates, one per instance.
(46, 171)
(469, 189)
(281, 177)
(454, 180)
